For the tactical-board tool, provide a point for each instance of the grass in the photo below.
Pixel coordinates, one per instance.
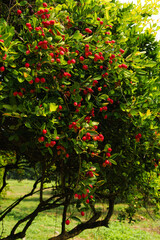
(47, 224)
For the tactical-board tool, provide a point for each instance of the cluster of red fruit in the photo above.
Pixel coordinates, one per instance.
(98, 56)
(42, 139)
(20, 94)
(110, 100)
(138, 136)
(43, 13)
(88, 136)
(73, 125)
(87, 52)
(101, 22)
(109, 41)
(103, 109)
(123, 66)
(90, 174)
(108, 155)
(88, 90)
(83, 196)
(88, 30)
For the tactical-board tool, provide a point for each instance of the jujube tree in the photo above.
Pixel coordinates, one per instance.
(79, 104)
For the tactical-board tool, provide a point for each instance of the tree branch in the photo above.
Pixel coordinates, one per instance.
(9, 209)
(91, 223)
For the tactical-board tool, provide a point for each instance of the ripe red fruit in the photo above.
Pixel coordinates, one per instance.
(28, 25)
(95, 127)
(111, 101)
(101, 22)
(87, 201)
(76, 195)
(104, 164)
(88, 134)
(85, 67)
(47, 144)
(90, 173)
(19, 12)
(95, 138)
(67, 155)
(83, 195)
(109, 149)
(27, 65)
(108, 154)
(41, 139)
(99, 89)
(15, 94)
(73, 123)
(82, 213)
(2, 69)
(121, 50)
(44, 131)
(44, 4)
(88, 30)
(31, 82)
(84, 138)
(52, 143)
(43, 80)
(58, 60)
(98, 19)
(139, 135)
(61, 52)
(105, 117)
(73, 61)
(75, 104)
(37, 80)
(107, 162)
(27, 52)
(60, 107)
(20, 94)
(67, 222)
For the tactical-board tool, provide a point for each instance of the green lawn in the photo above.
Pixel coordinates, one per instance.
(47, 224)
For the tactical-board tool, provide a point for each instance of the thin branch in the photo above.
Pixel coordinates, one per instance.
(4, 180)
(10, 11)
(90, 224)
(9, 209)
(29, 218)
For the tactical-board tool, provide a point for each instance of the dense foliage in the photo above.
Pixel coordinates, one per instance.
(79, 104)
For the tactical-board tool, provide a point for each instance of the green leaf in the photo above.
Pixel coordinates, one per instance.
(77, 35)
(22, 48)
(50, 151)
(27, 124)
(23, 3)
(78, 149)
(8, 107)
(76, 219)
(134, 112)
(97, 78)
(53, 107)
(34, 19)
(103, 96)
(82, 132)
(20, 80)
(112, 161)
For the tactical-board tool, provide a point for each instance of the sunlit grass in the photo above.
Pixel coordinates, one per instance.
(47, 224)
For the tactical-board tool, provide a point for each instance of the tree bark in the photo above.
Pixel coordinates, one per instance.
(90, 224)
